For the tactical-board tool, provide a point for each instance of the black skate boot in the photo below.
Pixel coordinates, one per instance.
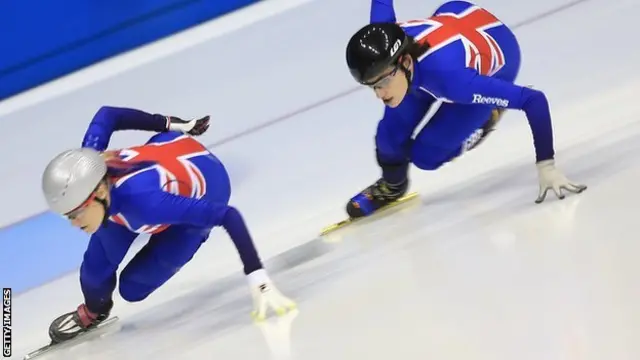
(374, 197)
(69, 325)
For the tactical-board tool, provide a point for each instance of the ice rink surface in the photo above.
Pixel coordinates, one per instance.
(472, 270)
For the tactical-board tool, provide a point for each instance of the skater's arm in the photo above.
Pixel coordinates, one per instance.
(238, 231)
(161, 207)
(382, 11)
(469, 87)
(105, 252)
(111, 119)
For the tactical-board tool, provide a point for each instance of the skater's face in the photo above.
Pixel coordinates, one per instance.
(88, 216)
(392, 85)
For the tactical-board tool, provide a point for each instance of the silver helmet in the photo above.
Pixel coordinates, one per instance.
(71, 177)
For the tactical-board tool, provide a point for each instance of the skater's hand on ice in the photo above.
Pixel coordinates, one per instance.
(551, 178)
(266, 295)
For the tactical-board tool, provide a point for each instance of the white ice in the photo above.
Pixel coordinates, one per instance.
(472, 270)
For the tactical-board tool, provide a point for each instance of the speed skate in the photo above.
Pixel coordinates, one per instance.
(341, 224)
(76, 340)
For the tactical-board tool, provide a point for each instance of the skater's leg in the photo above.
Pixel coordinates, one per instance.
(163, 256)
(457, 128)
(393, 136)
(454, 129)
(393, 146)
(106, 250)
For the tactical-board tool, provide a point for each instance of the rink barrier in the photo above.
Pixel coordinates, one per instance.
(50, 245)
(42, 45)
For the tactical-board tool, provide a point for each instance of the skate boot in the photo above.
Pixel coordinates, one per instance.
(69, 325)
(375, 197)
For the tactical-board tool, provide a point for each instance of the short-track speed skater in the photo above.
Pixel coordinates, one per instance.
(462, 58)
(171, 188)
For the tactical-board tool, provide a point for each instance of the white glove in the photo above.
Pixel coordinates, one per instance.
(551, 178)
(265, 295)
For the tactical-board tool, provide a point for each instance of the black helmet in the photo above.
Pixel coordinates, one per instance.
(374, 48)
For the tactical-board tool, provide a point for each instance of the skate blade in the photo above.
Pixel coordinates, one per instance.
(339, 225)
(52, 347)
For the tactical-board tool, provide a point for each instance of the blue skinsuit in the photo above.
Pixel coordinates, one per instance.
(178, 195)
(472, 65)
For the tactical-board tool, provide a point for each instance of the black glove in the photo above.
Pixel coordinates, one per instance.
(193, 127)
